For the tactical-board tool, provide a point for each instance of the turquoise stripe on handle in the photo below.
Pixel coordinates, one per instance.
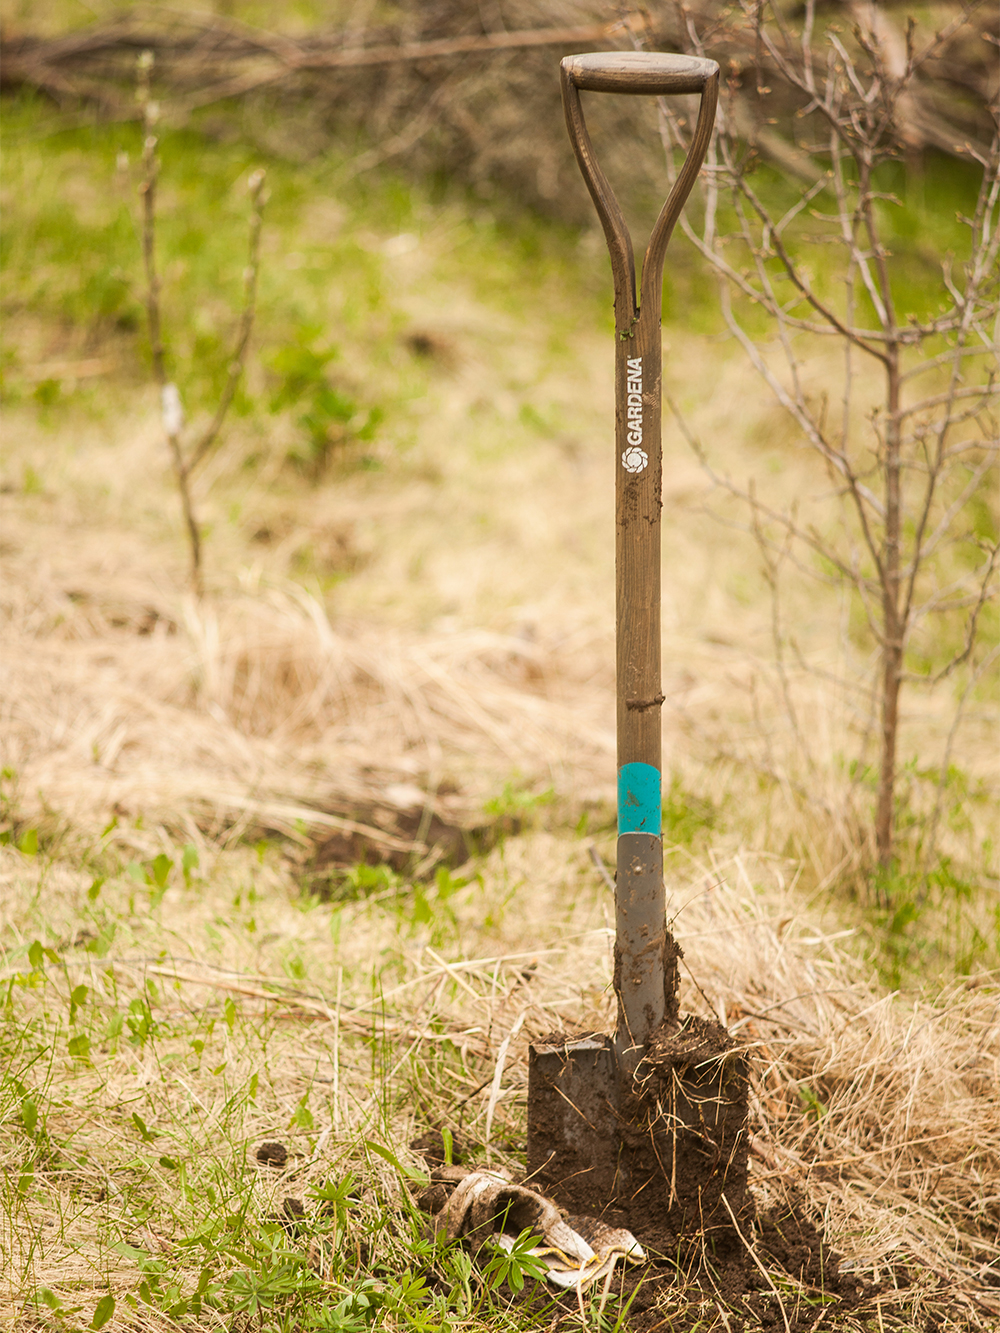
(640, 804)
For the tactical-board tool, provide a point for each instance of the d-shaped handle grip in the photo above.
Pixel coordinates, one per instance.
(654, 72)
(650, 72)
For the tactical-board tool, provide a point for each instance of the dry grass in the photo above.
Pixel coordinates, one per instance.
(452, 633)
(879, 1118)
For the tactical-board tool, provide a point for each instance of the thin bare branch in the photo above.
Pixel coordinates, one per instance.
(258, 199)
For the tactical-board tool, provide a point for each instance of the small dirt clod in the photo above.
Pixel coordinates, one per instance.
(272, 1154)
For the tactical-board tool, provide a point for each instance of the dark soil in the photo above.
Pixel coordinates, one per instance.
(348, 849)
(431, 842)
(685, 1294)
(273, 1154)
(431, 1147)
(685, 1137)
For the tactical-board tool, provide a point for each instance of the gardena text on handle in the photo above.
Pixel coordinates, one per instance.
(634, 458)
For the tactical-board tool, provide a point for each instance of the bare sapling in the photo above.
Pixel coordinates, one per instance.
(186, 457)
(906, 429)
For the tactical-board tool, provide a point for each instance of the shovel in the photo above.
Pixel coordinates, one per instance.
(646, 1128)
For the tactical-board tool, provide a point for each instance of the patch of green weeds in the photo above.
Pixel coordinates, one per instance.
(327, 416)
(518, 806)
(928, 916)
(27, 843)
(168, 1156)
(931, 924)
(33, 840)
(430, 910)
(314, 1268)
(63, 242)
(71, 255)
(687, 817)
(356, 882)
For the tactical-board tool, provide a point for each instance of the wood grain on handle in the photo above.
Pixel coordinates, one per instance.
(639, 72)
(645, 953)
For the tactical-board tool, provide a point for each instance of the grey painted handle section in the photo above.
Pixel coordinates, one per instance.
(645, 952)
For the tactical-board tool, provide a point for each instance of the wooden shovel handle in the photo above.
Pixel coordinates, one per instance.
(650, 72)
(639, 72)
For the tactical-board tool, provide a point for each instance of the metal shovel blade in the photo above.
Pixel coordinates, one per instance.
(572, 1119)
(663, 1151)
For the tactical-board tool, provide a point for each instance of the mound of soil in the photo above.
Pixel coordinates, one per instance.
(412, 840)
(683, 1292)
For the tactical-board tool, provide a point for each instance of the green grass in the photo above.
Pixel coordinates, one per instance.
(146, 1176)
(141, 1077)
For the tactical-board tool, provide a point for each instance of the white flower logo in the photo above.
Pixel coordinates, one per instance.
(634, 459)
